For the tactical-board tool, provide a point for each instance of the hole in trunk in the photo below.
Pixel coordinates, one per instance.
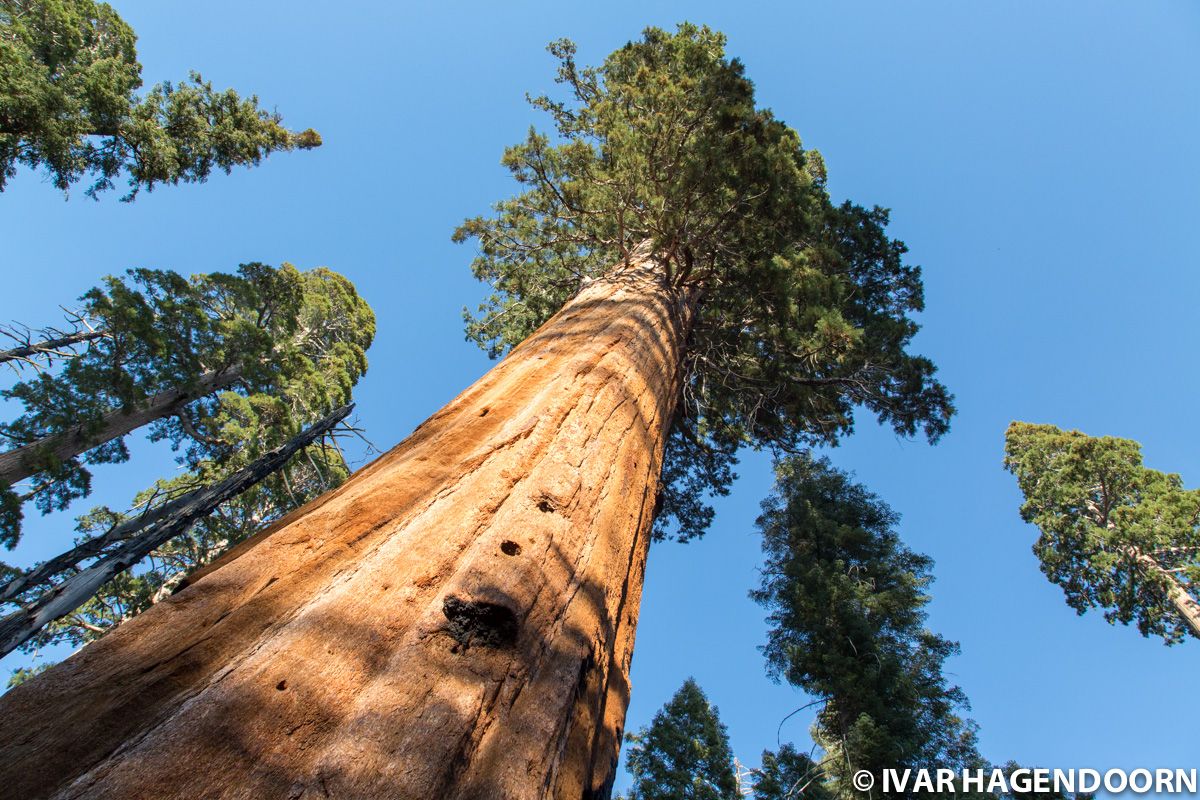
(585, 668)
(479, 623)
(484, 411)
(546, 506)
(281, 685)
(510, 548)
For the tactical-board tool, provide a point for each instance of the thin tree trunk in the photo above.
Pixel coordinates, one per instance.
(455, 622)
(1184, 604)
(171, 520)
(89, 548)
(49, 345)
(30, 459)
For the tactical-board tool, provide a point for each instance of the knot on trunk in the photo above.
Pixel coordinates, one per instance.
(479, 622)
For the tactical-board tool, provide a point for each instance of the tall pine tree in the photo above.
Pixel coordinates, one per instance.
(177, 354)
(846, 601)
(684, 753)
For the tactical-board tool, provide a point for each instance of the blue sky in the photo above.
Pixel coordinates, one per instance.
(1039, 160)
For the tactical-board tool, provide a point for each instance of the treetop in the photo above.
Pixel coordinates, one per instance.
(802, 306)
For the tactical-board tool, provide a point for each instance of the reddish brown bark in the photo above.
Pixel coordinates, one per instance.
(456, 621)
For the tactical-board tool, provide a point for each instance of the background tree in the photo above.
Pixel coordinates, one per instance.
(789, 775)
(684, 753)
(846, 601)
(315, 470)
(176, 354)
(69, 78)
(690, 281)
(1115, 535)
(328, 329)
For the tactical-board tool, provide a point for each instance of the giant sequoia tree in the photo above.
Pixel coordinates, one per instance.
(457, 620)
(69, 77)
(1115, 534)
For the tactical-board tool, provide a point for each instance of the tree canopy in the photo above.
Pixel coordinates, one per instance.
(69, 103)
(298, 341)
(684, 753)
(846, 601)
(290, 345)
(803, 306)
(789, 775)
(1115, 535)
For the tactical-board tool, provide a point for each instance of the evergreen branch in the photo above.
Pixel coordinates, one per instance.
(779, 730)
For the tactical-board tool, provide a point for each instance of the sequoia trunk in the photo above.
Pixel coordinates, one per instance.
(28, 460)
(454, 622)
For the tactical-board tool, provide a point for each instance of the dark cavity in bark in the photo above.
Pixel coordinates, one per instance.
(476, 622)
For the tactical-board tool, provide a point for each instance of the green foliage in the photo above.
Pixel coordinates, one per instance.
(22, 674)
(846, 602)
(69, 78)
(789, 775)
(314, 367)
(297, 340)
(802, 307)
(684, 753)
(1115, 535)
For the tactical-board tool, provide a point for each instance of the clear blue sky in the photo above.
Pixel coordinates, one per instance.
(1040, 160)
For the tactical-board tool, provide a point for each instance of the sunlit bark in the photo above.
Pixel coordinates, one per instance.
(456, 621)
